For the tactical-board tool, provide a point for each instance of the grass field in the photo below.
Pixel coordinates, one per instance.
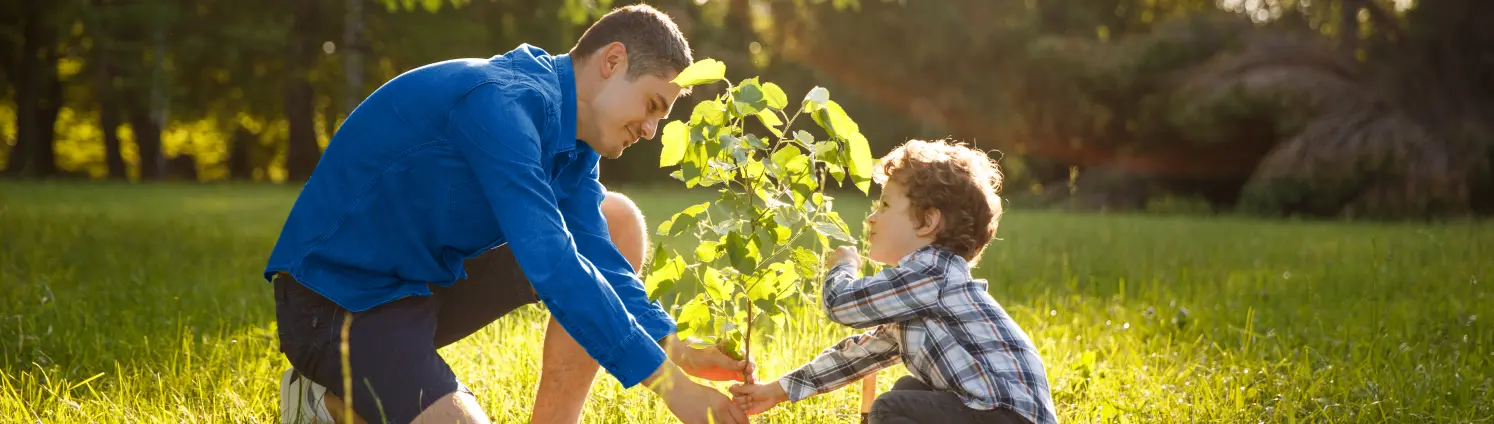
(143, 304)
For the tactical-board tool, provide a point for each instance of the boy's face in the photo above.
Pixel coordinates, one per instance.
(891, 228)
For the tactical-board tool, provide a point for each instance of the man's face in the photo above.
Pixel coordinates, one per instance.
(626, 110)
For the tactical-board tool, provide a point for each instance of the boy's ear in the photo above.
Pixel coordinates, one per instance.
(931, 222)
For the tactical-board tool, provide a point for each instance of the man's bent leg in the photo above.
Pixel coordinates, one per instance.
(395, 371)
(456, 407)
(566, 370)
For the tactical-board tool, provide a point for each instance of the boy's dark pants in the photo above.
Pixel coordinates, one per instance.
(910, 401)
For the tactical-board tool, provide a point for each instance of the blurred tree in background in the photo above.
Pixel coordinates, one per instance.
(1353, 108)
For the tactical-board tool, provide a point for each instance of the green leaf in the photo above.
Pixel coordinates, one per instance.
(835, 121)
(804, 137)
(748, 99)
(836, 172)
(732, 345)
(709, 112)
(754, 169)
(755, 142)
(832, 230)
(782, 234)
(770, 120)
(682, 221)
(839, 224)
(701, 72)
(696, 313)
(827, 151)
(806, 262)
(676, 134)
(742, 253)
(714, 285)
(773, 283)
(665, 273)
(660, 259)
(789, 220)
(775, 97)
(765, 238)
(861, 162)
(708, 251)
(782, 159)
(817, 97)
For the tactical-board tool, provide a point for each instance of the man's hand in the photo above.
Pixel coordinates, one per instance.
(691, 402)
(846, 254)
(710, 363)
(758, 398)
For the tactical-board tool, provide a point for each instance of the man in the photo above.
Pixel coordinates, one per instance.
(462, 190)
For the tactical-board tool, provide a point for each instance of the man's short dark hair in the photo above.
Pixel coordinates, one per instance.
(655, 44)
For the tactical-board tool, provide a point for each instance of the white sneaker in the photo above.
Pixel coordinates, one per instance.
(301, 400)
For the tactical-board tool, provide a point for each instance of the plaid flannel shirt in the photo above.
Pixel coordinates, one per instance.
(941, 323)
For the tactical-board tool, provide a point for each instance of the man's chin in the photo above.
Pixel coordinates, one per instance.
(614, 154)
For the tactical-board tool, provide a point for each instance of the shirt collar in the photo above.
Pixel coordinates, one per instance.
(566, 77)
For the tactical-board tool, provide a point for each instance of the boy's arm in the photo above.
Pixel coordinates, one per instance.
(892, 295)
(849, 360)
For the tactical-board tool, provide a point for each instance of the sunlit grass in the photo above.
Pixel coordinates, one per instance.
(126, 303)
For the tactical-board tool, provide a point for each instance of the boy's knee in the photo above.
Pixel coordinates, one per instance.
(886, 406)
(625, 223)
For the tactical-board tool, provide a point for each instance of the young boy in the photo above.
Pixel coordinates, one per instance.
(969, 363)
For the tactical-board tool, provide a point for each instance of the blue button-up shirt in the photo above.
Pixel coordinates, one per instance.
(454, 158)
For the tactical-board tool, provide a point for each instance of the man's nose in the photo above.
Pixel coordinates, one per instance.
(649, 127)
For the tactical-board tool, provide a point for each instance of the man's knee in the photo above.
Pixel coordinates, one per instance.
(627, 227)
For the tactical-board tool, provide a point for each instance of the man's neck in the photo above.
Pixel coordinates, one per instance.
(586, 88)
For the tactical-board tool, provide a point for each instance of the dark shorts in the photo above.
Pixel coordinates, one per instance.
(396, 372)
(912, 402)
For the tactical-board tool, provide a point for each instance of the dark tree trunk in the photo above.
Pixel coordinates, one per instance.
(109, 122)
(34, 87)
(49, 105)
(302, 153)
(240, 167)
(107, 93)
(1348, 21)
(147, 140)
(352, 47)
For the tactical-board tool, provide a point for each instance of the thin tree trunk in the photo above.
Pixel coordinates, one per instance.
(105, 90)
(36, 87)
(1348, 30)
(109, 119)
(352, 45)
(49, 105)
(147, 140)
(239, 166)
(302, 153)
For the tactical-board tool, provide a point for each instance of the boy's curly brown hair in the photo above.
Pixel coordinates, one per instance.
(962, 183)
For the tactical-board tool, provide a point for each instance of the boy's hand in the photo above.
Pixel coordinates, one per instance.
(758, 398)
(846, 254)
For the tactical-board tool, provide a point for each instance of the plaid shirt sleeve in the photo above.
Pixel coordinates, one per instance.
(849, 360)
(892, 295)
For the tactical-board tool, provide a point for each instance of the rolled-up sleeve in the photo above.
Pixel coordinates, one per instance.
(497, 130)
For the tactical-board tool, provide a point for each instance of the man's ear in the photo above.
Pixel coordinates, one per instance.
(931, 222)
(614, 59)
